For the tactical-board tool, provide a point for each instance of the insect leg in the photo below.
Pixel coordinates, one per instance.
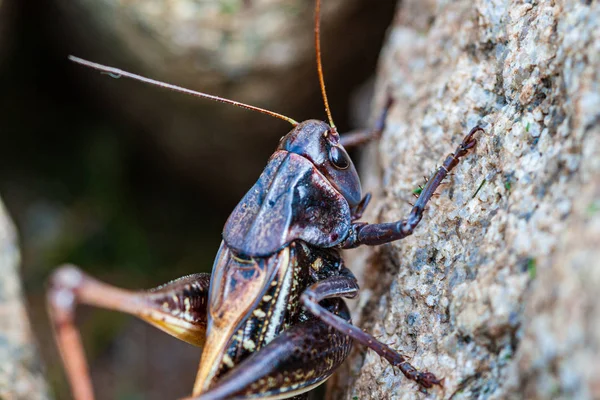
(296, 361)
(375, 234)
(361, 207)
(178, 308)
(346, 286)
(359, 137)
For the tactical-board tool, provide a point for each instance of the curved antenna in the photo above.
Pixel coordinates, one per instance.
(319, 63)
(117, 73)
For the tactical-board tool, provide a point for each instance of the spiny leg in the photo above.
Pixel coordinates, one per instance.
(374, 234)
(297, 360)
(178, 308)
(360, 137)
(346, 286)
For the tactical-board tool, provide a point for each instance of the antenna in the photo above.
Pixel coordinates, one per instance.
(319, 63)
(117, 73)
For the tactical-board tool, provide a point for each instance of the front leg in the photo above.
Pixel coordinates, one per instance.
(360, 137)
(374, 234)
(346, 286)
(178, 308)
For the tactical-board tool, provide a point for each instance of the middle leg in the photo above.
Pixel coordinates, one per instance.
(346, 286)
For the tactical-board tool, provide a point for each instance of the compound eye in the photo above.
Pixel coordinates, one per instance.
(338, 158)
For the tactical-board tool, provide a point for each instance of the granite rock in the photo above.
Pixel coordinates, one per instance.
(496, 291)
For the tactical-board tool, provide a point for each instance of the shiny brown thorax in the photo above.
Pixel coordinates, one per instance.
(301, 194)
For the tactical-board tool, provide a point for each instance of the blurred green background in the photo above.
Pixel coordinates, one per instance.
(88, 182)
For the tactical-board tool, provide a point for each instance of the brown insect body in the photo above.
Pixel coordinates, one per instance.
(294, 210)
(271, 318)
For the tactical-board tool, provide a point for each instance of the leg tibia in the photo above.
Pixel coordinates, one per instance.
(376, 234)
(360, 137)
(346, 286)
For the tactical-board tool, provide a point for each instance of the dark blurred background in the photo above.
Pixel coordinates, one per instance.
(134, 183)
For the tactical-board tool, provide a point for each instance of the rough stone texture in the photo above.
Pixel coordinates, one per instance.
(20, 375)
(497, 291)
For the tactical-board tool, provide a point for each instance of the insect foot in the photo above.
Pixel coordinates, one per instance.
(427, 380)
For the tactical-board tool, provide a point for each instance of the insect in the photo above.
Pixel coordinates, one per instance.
(271, 318)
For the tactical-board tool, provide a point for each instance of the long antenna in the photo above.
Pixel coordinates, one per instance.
(319, 63)
(117, 73)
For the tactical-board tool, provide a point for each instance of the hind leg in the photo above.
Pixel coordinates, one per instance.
(178, 308)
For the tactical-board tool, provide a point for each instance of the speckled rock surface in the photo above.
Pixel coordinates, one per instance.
(20, 376)
(497, 290)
